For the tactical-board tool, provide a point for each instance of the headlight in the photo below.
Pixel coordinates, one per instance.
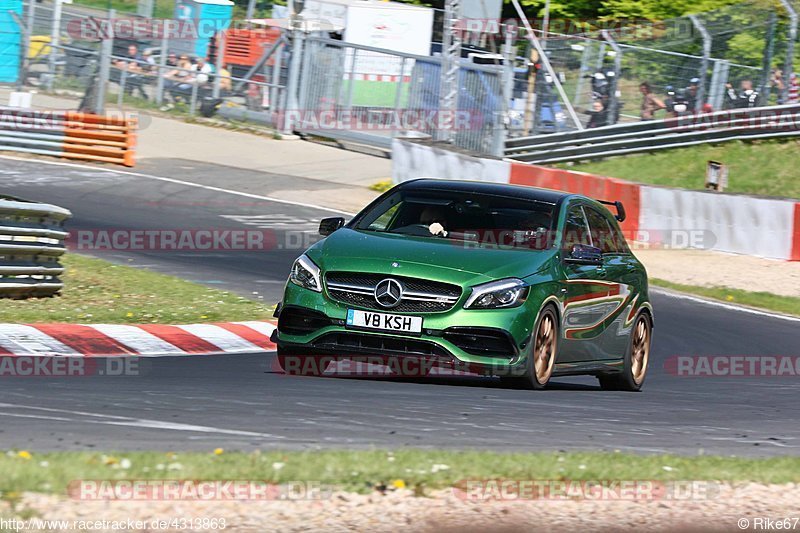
(504, 293)
(306, 274)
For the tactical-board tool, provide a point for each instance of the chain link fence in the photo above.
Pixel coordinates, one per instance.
(361, 93)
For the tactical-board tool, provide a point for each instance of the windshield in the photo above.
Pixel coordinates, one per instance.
(460, 216)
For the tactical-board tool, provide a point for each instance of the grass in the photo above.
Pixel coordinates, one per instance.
(763, 300)
(756, 167)
(99, 291)
(21, 470)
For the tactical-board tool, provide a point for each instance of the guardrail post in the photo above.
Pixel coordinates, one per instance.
(701, 88)
(398, 95)
(123, 77)
(55, 37)
(294, 74)
(274, 103)
(27, 33)
(613, 99)
(547, 66)
(106, 49)
(162, 67)
(766, 64)
(193, 99)
(584, 70)
(506, 93)
(788, 65)
(218, 63)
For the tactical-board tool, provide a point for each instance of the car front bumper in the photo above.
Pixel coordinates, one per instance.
(312, 323)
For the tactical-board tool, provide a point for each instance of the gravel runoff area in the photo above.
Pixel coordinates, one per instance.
(729, 508)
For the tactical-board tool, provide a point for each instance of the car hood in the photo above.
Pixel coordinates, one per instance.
(435, 259)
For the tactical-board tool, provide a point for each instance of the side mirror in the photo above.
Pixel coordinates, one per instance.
(583, 254)
(329, 225)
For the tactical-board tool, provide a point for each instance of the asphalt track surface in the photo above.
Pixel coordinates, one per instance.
(241, 402)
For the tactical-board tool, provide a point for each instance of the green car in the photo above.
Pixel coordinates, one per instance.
(517, 282)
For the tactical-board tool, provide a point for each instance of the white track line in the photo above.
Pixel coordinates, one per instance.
(180, 182)
(101, 418)
(723, 305)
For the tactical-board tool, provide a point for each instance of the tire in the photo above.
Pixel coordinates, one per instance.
(294, 364)
(637, 357)
(544, 348)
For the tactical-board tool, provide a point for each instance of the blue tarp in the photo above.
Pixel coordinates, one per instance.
(10, 40)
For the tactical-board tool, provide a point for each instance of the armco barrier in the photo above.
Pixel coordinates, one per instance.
(68, 134)
(31, 243)
(764, 227)
(585, 184)
(412, 160)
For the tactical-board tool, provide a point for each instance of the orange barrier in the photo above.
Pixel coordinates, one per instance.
(71, 135)
(100, 138)
(598, 187)
(796, 240)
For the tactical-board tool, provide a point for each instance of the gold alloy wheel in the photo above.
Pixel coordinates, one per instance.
(640, 347)
(544, 350)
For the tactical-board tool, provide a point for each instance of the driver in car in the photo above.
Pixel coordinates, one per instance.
(434, 218)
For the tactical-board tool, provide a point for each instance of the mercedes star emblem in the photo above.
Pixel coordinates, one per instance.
(389, 292)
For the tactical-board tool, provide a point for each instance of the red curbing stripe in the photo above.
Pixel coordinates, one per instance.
(85, 339)
(796, 240)
(181, 338)
(248, 334)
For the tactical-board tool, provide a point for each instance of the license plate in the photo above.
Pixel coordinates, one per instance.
(384, 321)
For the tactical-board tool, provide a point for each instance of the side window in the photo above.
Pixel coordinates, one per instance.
(603, 236)
(383, 221)
(575, 229)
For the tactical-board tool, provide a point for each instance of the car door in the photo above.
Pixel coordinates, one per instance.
(620, 277)
(584, 292)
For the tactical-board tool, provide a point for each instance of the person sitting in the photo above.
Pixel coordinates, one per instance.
(434, 218)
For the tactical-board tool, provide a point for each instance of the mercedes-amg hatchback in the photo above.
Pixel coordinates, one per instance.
(519, 282)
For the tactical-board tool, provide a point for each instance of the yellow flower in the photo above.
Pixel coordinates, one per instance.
(203, 316)
(218, 451)
(399, 484)
(129, 314)
(24, 454)
(110, 460)
(729, 297)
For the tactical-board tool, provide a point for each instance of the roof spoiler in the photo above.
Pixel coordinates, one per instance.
(620, 209)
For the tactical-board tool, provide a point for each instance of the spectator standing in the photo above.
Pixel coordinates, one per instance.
(778, 85)
(746, 97)
(650, 103)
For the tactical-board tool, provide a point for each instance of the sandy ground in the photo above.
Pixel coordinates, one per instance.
(718, 510)
(708, 269)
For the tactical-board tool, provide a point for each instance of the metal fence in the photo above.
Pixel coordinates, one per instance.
(698, 55)
(648, 136)
(31, 243)
(318, 86)
(367, 94)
